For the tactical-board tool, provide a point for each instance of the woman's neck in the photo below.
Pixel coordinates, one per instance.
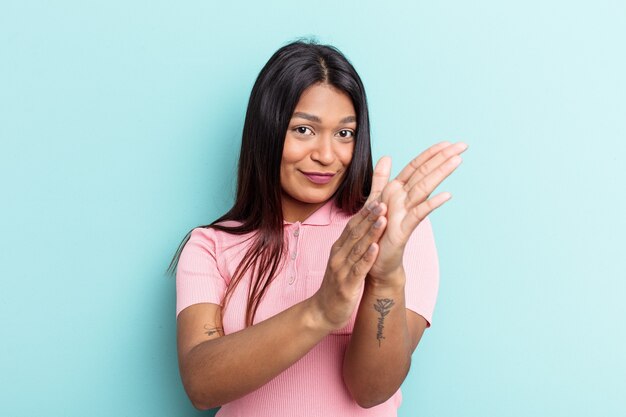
(298, 211)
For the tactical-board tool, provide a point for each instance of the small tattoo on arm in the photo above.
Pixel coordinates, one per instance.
(383, 306)
(210, 331)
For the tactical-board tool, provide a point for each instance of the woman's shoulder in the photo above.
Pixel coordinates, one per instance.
(219, 237)
(229, 223)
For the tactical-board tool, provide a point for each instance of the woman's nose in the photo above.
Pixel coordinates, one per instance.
(323, 152)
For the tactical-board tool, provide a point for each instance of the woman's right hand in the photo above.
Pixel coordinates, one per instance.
(351, 258)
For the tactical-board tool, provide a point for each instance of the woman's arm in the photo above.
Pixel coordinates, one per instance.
(217, 368)
(385, 333)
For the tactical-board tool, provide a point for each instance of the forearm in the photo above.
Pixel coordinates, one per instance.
(224, 369)
(378, 356)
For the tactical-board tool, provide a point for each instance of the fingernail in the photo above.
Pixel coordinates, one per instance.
(378, 223)
(371, 205)
(377, 210)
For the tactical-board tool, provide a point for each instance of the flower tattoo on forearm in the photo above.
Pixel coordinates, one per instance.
(383, 306)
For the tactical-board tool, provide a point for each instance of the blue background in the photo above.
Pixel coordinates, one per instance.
(120, 125)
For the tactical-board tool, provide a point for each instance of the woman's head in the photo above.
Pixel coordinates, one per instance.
(294, 69)
(317, 150)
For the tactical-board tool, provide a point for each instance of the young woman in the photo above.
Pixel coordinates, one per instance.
(310, 295)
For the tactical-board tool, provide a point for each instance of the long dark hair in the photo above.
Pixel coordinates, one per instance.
(257, 207)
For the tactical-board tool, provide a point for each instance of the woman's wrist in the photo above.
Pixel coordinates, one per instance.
(316, 318)
(391, 282)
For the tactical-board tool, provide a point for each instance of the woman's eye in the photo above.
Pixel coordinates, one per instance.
(346, 133)
(302, 130)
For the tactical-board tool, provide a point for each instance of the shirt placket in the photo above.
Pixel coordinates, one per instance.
(294, 240)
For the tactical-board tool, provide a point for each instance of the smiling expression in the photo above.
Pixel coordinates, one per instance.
(318, 149)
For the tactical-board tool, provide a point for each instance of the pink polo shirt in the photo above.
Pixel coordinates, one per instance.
(313, 386)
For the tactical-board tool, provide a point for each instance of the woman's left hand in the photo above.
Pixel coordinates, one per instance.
(406, 197)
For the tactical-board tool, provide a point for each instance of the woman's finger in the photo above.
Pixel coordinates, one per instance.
(382, 171)
(430, 165)
(359, 270)
(356, 228)
(415, 216)
(360, 247)
(415, 163)
(422, 189)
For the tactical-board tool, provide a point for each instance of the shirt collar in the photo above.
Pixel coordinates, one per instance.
(322, 216)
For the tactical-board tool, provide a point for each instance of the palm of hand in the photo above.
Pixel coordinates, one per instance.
(406, 198)
(396, 235)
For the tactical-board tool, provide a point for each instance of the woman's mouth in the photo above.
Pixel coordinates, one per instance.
(319, 177)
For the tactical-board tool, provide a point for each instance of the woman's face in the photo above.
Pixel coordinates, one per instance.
(318, 149)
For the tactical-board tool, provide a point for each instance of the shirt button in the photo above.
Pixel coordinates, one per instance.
(296, 233)
(291, 279)
(293, 256)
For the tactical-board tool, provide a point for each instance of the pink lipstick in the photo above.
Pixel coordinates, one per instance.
(319, 177)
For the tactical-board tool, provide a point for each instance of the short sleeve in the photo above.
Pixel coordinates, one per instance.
(421, 266)
(198, 279)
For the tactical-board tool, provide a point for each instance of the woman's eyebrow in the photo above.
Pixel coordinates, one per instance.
(316, 119)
